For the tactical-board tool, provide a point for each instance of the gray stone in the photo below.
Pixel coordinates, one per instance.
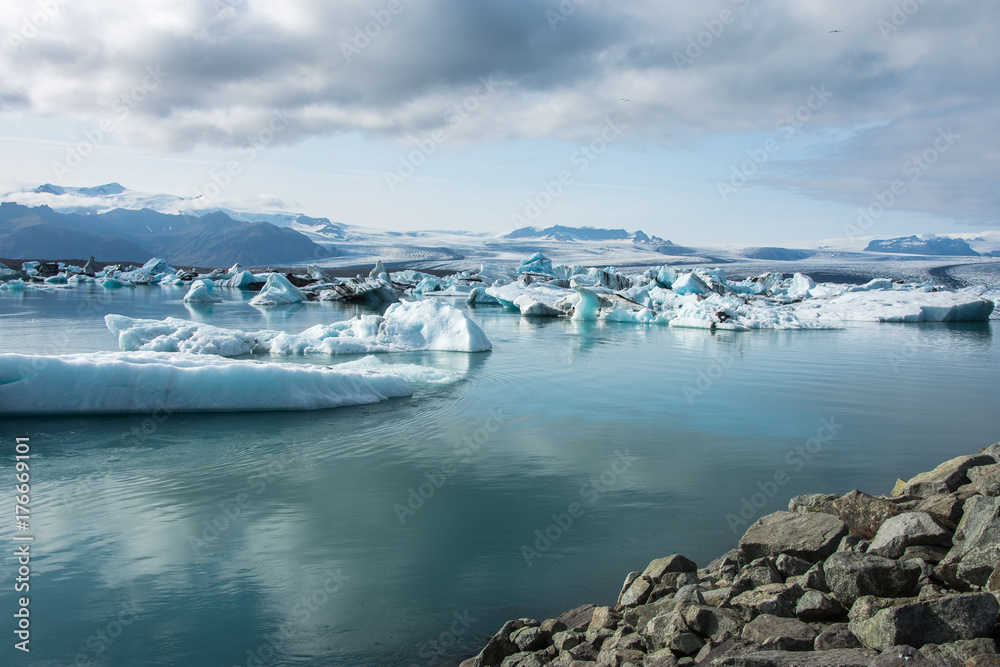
(668, 630)
(781, 634)
(853, 543)
(662, 658)
(814, 502)
(927, 554)
(986, 479)
(947, 509)
(814, 607)
(716, 596)
(637, 593)
(691, 593)
(993, 583)
(976, 549)
(811, 537)
(727, 566)
(863, 513)
(530, 638)
(675, 563)
(775, 599)
(960, 652)
(903, 656)
(993, 451)
(638, 617)
(710, 621)
(577, 619)
(597, 637)
(851, 575)
(815, 579)
(834, 636)
(564, 640)
(868, 605)
(983, 661)
(790, 566)
(909, 529)
(523, 659)
(604, 617)
(725, 646)
(499, 646)
(945, 478)
(620, 658)
(940, 621)
(847, 657)
(758, 573)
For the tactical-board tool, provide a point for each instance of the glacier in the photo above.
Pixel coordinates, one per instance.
(155, 382)
(407, 326)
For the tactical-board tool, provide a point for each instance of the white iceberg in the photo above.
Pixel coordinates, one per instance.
(150, 382)
(897, 306)
(201, 292)
(409, 326)
(278, 292)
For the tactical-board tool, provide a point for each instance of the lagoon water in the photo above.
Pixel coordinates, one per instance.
(302, 538)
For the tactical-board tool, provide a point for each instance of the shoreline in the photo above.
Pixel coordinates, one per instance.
(911, 577)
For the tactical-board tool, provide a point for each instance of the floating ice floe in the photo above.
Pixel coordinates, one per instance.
(201, 292)
(151, 382)
(410, 326)
(897, 306)
(278, 291)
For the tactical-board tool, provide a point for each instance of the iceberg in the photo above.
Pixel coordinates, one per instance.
(897, 306)
(201, 292)
(152, 382)
(278, 292)
(409, 326)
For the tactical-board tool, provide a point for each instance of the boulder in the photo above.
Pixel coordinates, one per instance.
(946, 509)
(851, 575)
(864, 513)
(811, 537)
(960, 652)
(908, 529)
(774, 599)
(976, 549)
(834, 636)
(530, 638)
(676, 563)
(945, 478)
(814, 502)
(711, 621)
(814, 606)
(662, 658)
(939, 621)
(993, 451)
(637, 592)
(564, 641)
(668, 630)
(993, 583)
(758, 573)
(604, 618)
(986, 479)
(692, 593)
(499, 647)
(931, 555)
(904, 656)
(781, 634)
(577, 620)
(790, 566)
(848, 657)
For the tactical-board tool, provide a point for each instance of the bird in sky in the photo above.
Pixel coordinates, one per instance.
(836, 31)
(624, 99)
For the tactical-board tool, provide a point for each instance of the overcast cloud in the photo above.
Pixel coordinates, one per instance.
(899, 73)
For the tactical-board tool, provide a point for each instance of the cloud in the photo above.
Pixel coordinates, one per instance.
(394, 68)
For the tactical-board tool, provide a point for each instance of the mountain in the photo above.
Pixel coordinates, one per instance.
(915, 245)
(780, 254)
(214, 239)
(562, 233)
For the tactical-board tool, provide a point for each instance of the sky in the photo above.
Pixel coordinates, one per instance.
(730, 121)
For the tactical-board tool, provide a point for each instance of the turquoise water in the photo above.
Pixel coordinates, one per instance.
(294, 538)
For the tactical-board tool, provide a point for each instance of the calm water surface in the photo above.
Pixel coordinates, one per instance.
(302, 538)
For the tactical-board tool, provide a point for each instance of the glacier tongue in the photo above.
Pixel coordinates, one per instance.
(161, 383)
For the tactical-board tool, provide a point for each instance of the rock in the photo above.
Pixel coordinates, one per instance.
(947, 509)
(930, 555)
(867, 606)
(676, 563)
(638, 617)
(863, 513)
(691, 593)
(775, 599)
(531, 638)
(849, 657)
(637, 593)
(993, 450)
(710, 621)
(629, 580)
(604, 618)
(851, 575)
(976, 549)
(909, 529)
(89, 268)
(596, 638)
(716, 596)
(983, 661)
(620, 657)
(726, 646)
(815, 579)
(499, 646)
(552, 625)
(853, 543)
(668, 630)
(814, 606)
(940, 621)
(903, 656)
(993, 583)
(727, 566)
(760, 572)
(523, 659)
(659, 592)
(834, 636)
(790, 566)
(662, 658)
(986, 479)
(564, 640)
(577, 620)
(945, 478)
(960, 652)
(814, 502)
(781, 634)
(811, 537)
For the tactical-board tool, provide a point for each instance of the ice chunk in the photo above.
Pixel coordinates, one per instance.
(415, 325)
(478, 295)
(690, 283)
(588, 307)
(240, 280)
(898, 306)
(877, 283)
(537, 263)
(412, 373)
(151, 382)
(278, 292)
(201, 292)
(800, 286)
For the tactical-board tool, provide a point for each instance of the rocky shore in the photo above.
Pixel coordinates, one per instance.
(911, 578)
